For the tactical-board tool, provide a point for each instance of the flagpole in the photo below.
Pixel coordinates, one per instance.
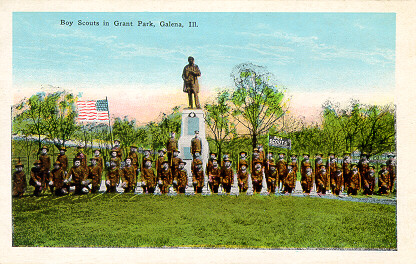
(109, 122)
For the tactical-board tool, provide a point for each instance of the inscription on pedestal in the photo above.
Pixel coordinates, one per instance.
(187, 153)
(193, 124)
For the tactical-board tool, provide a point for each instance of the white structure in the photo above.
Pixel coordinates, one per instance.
(192, 119)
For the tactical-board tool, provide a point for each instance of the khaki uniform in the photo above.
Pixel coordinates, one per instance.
(181, 177)
(117, 160)
(57, 176)
(384, 181)
(294, 165)
(94, 173)
(346, 171)
(119, 152)
(241, 163)
(113, 175)
(307, 181)
(19, 183)
(391, 167)
(83, 159)
(289, 181)
(331, 168)
(63, 159)
(369, 183)
(45, 166)
(166, 177)
(100, 164)
(175, 165)
(196, 145)
(355, 183)
(134, 160)
(159, 164)
(227, 179)
(363, 169)
(272, 179)
(257, 178)
(214, 178)
(36, 175)
(129, 177)
(337, 181)
(198, 177)
(78, 175)
(242, 178)
(321, 181)
(148, 176)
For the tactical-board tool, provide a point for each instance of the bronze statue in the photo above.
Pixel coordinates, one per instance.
(190, 81)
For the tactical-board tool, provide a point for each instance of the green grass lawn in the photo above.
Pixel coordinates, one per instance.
(127, 220)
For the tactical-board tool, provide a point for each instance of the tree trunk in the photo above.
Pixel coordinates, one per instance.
(254, 141)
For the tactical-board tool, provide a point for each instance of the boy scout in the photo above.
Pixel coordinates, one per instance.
(160, 160)
(134, 157)
(337, 180)
(112, 177)
(171, 146)
(36, 178)
(19, 180)
(331, 167)
(321, 180)
(45, 165)
(209, 166)
(181, 177)
(148, 177)
(307, 180)
(242, 160)
(56, 180)
(363, 165)
(267, 167)
(242, 178)
(214, 176)
(94, 174)
(272, 178)
(281, 168)
(198, 177)
(174, 162)
(346, 164)
(128, 174)
(146, 156)
(306, 163)
(164, 177)
(100, 161)
(78, 178)
(369, 181)
(196, 144)
(294, 162)
(63, 159)
(354, 181)
(256, 158)
(81, 157)
(117, 148)
(384, 180)
(257, 177)
(114, 157)
(289, 181)
(227, 176)
(391, 167)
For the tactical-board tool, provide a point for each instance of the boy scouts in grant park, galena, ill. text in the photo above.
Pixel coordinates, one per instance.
(237, 143)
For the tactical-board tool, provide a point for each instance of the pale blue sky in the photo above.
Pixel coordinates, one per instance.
(305, 51)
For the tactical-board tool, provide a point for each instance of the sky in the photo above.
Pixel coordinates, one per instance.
(316, 56)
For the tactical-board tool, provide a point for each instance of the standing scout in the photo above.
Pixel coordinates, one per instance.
(134, 157)
(337, 180)
(391, 167)
(272, 178)
(290, 180)
(281, 168)
(81, 157)
(196, 144)
(212, 157)
(190, 76)
(171, 146)
(214, 176)
(164, 177)
(321, 180)
(369, 181)
(78, 178)
(146, 156)
(36, 178)
(294, 162)
(45, 165)
(181, 177)
(128, 175)
(363, 165)
(331, 167)
(100, 161)
(354, 181)
(227, 176)
(242, 177)
(56, 180)
(160, 160)
(305, 164)
(117, 148)
(267, 167)
(318, 162)
(175, 161)
(63, 159)
(114, 157)
(384, 180)
(346, 171)
(148, 177)
(19, 180)
(243, 160)
(94, 174)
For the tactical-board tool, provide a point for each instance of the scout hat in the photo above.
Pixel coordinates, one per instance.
(390, 155)
(133, 146)
(37, 162)
(19, 164)
(62, 148)
(213, 153)
(147, 159)
(196, 131)
(176, 150)
(182, 162)
(93, 158)
(245, 153)
(322, 166)
(165, 162)
(258, 162)
(293, 154)
(256, 150)
(306, 153)
(227, 159)
(45, 147)
(163, 149)
(198, 162)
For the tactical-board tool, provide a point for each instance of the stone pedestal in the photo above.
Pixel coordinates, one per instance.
(192, 119)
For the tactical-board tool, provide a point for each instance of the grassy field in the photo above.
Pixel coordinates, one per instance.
(127, 220)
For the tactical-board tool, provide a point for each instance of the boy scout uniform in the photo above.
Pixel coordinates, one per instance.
(181, 178)
(272, 178)
(63, 160)
(307, 180)
(82, 158)
(19, 181)
(321, 180)
(94, 173)
(134, 159)
(355, 181)
(78, 175)
(113, 176)
(214, 178)
(384, 180)
(129, 178)
(174, 163)
(57, 176)
(198, 177)
(227, 177)
(257, 178)
(45, 166)
(282, 169)
(196, 144)
(346, 169)
(36, 176)
(337, 180)
(148, 178)
(289, 181)
(369, 181)
(331, 167)
(164, 176)
(363, 167)
(242, 178)
(391, 167)
(159, 161)
(294, 162)
(171, 146)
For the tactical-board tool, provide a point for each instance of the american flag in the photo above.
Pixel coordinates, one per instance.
(93, 110)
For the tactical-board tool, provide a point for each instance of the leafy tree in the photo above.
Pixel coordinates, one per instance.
(257, 99)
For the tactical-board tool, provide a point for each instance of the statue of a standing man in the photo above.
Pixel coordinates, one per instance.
(190, 81)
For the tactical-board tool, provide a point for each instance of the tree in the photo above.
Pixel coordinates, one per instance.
(218, 119)
(257, 99)
(125, 130)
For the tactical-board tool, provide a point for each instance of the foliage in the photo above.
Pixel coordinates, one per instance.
(214, 221)
(257, 99)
